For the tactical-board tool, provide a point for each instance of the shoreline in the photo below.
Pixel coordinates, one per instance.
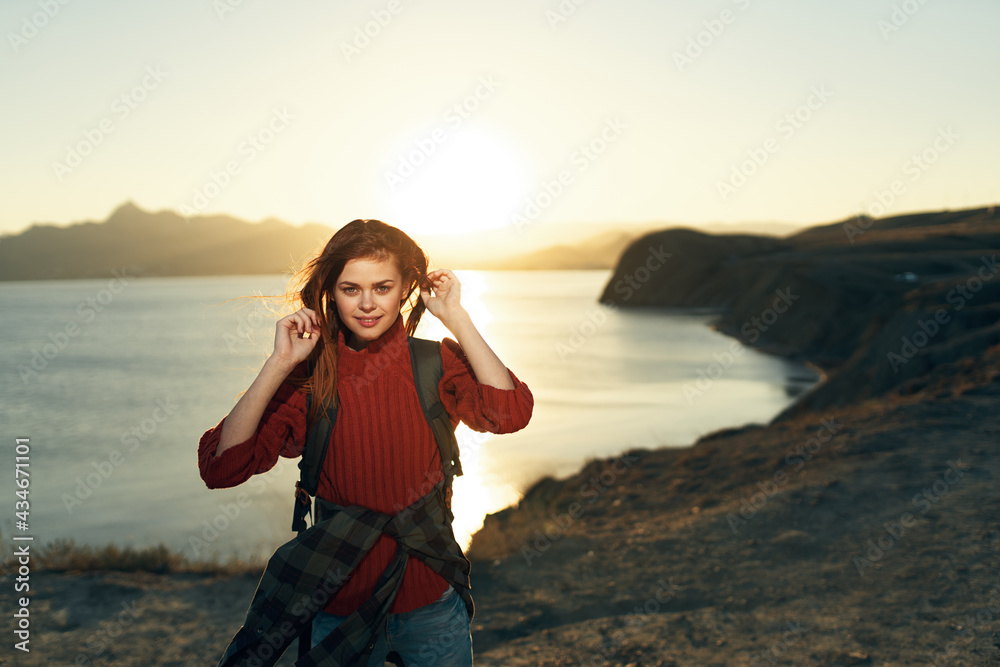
(172, 580)
(857, 527)
(161, 557)
(756, 539)
(656, 571)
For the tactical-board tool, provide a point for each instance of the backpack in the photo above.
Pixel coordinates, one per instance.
(425, 356)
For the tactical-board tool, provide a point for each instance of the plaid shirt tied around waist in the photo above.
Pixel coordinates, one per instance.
(305, 572)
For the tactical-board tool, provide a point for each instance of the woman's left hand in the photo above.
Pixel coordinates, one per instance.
(446, 301)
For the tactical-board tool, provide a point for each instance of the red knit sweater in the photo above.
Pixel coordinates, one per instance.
(382, 454)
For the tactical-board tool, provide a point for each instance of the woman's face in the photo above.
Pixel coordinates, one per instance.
(368, 294)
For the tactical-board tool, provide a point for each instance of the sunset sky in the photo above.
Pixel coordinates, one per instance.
(456, 115)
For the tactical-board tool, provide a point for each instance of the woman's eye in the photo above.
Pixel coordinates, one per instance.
(384, 289)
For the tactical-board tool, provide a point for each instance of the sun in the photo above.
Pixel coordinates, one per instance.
(469, 180)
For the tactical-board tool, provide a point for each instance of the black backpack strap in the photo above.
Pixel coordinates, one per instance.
(425, 356)
(317, 441)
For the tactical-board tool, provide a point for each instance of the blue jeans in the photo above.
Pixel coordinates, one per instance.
(435, 635)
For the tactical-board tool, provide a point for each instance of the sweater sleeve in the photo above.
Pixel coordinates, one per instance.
(481, 407)
(280, 432)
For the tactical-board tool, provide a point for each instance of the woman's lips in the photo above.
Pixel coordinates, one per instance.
(368, 321)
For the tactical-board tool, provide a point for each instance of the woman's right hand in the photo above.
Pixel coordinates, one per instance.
(290, 347)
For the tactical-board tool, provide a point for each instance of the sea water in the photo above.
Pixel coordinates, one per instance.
(113, 381)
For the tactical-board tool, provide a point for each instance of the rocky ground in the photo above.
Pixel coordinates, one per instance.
(860, 527)
(880, 546)
(861, 536)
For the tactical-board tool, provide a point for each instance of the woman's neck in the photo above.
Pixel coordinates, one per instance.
(352, 342)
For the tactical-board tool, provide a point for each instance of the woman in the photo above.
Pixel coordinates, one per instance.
(347, 343)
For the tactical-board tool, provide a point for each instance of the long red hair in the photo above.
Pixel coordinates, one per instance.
(358, 239)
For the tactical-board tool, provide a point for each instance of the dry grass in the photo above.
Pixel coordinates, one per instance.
(65, 555)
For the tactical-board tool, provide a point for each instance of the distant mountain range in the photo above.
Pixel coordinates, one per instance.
(165, 243)
(156, 244)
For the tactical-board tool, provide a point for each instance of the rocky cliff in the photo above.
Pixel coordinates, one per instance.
(875, 303)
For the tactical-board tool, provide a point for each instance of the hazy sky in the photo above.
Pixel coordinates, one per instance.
(467, 114)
